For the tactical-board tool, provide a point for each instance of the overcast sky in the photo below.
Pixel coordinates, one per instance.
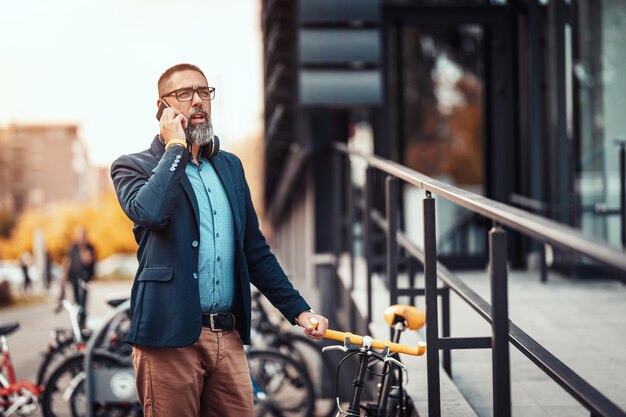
(96, 63)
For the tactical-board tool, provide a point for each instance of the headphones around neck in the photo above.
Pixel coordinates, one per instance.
(211, 149)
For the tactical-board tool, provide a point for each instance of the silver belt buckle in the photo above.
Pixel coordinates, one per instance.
(212, 322)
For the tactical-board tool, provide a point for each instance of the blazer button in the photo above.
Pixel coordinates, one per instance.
(195, 276)
(194, 243)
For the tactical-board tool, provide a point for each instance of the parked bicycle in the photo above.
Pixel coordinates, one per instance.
(307, 352)
(67, 342)
(64, 342)
(20, 397)
(392, 399)
(65, 392)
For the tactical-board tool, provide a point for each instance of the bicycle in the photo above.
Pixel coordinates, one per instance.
(400, 317)
(68, 342)
(15, 396)
(299, 347)
(65, 395)
(65, 342)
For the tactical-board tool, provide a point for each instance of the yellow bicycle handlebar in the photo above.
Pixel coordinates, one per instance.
(418, 350)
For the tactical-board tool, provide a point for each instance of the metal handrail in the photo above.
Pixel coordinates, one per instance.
(593, 400)
(514, 218)
(505, 332)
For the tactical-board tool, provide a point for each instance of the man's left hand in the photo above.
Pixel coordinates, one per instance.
(304, 321)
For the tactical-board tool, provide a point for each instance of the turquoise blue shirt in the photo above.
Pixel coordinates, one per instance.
(216, 258)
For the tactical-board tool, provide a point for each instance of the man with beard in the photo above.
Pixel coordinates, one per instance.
(200, 248)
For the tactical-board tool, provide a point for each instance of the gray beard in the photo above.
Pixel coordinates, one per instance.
(200, 134)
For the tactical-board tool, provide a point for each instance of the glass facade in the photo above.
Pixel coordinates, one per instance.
(441, 123)
(601, 86)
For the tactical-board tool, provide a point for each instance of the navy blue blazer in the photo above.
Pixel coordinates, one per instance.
(156, 195)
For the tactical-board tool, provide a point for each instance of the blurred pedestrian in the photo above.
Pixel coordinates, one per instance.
(79, 269)
(25, 261)
(47, 271)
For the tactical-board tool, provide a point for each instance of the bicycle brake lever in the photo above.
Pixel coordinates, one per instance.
(336, 347)
(395, 362)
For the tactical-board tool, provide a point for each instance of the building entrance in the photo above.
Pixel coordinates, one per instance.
(449, 94)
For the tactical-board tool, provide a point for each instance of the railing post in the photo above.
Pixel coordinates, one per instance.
(349, 221)
(500, 325)
(432, 325)
(543, 266)
(445, 328)
(391, 206)
(349, 217)
(411, 269)
(368, 204)
(337, 220)
(622, 189)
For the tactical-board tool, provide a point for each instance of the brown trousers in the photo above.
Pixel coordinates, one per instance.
(207, 379)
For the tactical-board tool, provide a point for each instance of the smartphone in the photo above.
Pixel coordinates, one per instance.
(162, 107)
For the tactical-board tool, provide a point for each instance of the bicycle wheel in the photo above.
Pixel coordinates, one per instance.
(64, 395)
(53, 357)
(5, 401)
(282, 387)
(320, 368)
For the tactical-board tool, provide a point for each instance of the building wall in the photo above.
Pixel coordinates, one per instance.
(293, 240)
(41, 164)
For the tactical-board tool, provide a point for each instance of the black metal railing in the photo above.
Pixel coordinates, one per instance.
(504, 332)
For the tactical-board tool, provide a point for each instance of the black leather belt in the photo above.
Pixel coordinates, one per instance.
(218, 322)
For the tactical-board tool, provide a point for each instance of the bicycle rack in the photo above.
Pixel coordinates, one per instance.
(111, 385)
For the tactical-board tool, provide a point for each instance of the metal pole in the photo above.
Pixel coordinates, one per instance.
(337, 220)
(445, 329)
(349, 218)
(500, 325)
(391, 205)
(543, 267)
(412, 272)
(622, 181)
(432, 311)
(368, 197)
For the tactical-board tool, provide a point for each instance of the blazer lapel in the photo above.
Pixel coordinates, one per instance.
(223, 171)
(186, 184)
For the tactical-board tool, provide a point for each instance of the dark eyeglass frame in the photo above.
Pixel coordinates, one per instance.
(194, 91)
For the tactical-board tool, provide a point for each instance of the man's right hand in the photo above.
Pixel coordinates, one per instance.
(172, 124)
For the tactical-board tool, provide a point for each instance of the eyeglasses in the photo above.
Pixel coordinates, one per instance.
(186, 94)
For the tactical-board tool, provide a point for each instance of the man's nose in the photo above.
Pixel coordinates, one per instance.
(196, 100)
